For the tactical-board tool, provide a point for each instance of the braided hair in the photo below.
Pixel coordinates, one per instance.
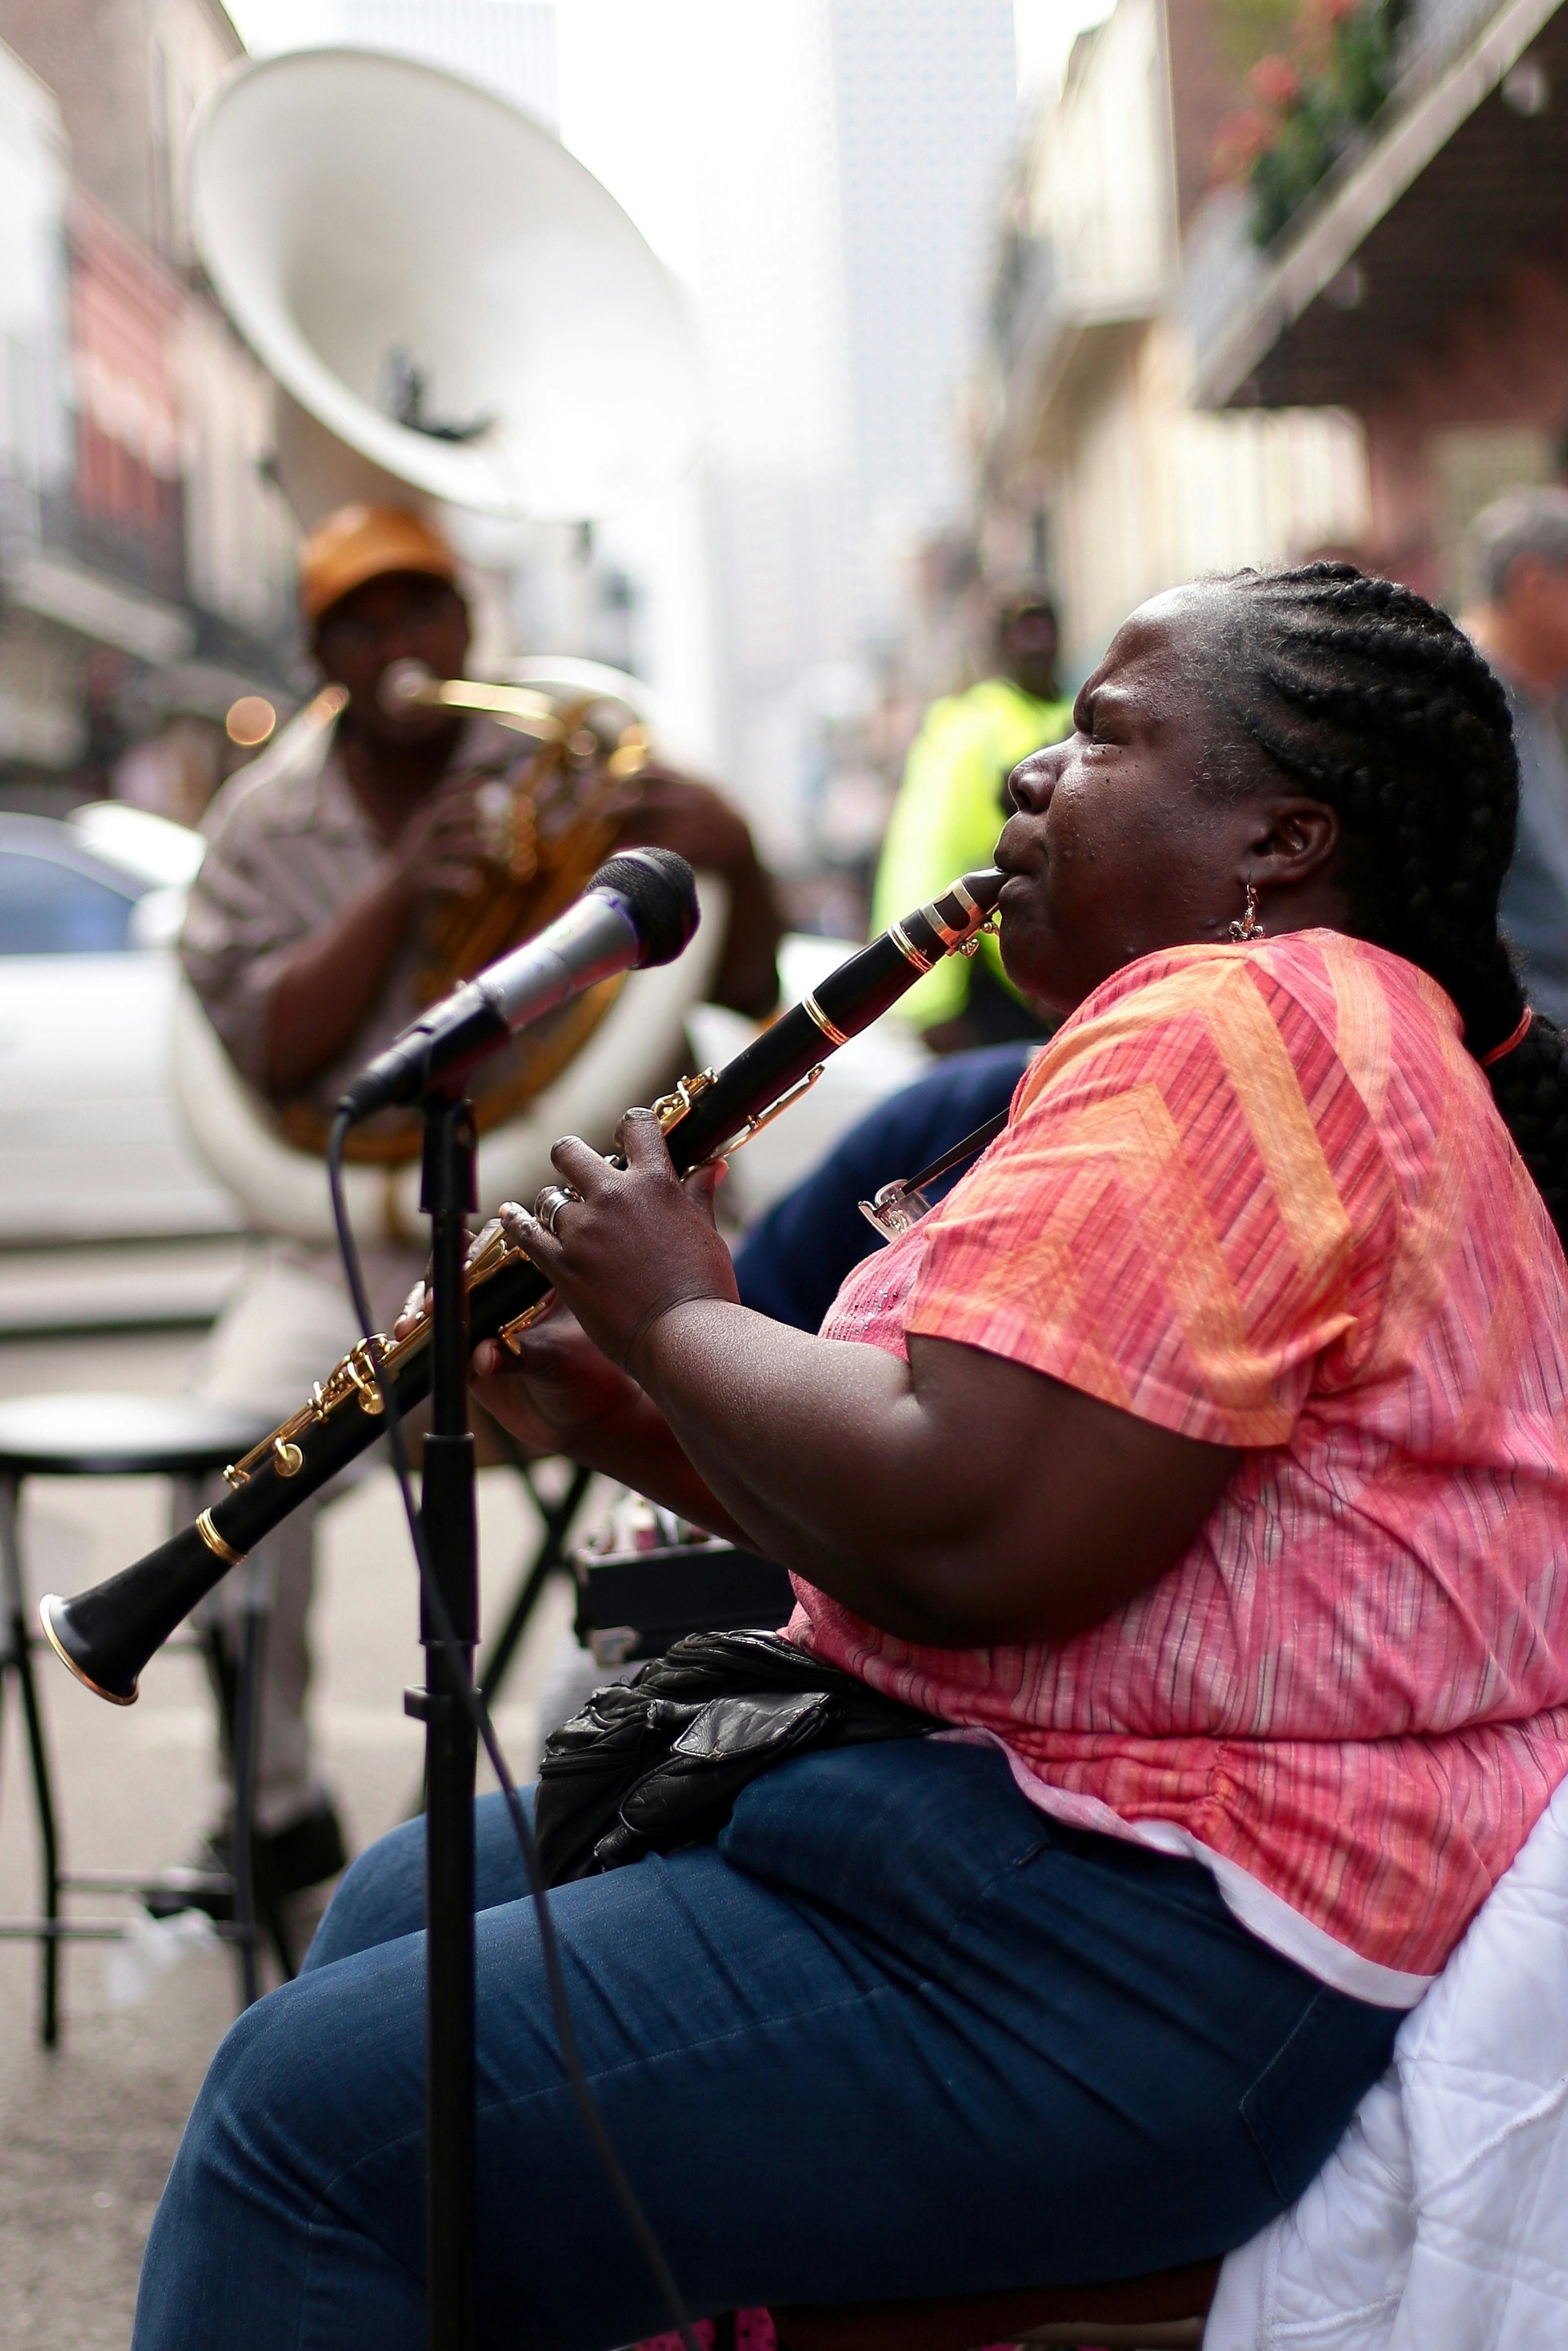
(1371, 700)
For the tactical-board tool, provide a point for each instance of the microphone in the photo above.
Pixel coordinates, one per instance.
(640, 908)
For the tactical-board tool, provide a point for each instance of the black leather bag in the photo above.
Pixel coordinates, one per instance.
(657, 1762)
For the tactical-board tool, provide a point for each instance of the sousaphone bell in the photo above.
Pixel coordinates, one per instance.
(453, 310)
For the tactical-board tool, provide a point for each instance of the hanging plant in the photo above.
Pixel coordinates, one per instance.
(1311, 106)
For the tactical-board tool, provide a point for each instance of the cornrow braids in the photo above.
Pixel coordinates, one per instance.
(1371, 700)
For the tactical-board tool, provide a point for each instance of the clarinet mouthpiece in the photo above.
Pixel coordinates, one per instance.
(985, 887)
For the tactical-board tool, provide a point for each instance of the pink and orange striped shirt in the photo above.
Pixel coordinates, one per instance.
(1262, 1195)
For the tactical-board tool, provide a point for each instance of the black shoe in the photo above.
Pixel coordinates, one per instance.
(286, 1862)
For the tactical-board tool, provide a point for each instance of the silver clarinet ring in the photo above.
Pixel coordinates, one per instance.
(550, 1202)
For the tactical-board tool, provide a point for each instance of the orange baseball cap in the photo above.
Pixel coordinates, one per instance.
(359, 543)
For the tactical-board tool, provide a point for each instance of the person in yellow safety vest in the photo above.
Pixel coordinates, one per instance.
(952, 805)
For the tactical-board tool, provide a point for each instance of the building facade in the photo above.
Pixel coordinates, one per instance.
(145, 558)
(1422, 282)
(1095, 459)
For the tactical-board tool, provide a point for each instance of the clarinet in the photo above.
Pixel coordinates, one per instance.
(108, 1634)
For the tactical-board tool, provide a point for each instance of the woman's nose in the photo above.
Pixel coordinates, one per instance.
(1032, 781)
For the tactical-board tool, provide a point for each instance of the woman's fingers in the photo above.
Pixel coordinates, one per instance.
(701, 1184)
(532, 1238)
(627, 1243)
(515, 1218)
(641, 1140)
(553, 1385)
(643, 1147)
(410, 1310)
(587, 1170)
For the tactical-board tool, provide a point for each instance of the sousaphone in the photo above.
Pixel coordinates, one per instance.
(455, 311)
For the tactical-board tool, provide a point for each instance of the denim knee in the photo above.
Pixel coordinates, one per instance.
(380, 1897)
(249, 2079)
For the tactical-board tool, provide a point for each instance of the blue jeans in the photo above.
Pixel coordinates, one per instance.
(896, 2034)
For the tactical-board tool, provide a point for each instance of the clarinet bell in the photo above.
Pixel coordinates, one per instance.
(107, 1634)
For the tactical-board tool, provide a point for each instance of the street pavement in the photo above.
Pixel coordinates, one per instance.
(87, 2132)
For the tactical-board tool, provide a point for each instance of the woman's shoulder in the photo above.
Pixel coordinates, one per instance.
(1328, 968)
(1314, 1020)
(1356, 995)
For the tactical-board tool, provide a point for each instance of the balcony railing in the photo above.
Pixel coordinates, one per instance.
(148, 554)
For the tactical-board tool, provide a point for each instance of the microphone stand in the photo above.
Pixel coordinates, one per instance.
(448, 1197)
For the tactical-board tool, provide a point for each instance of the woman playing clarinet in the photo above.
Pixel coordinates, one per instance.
(1199, 1466)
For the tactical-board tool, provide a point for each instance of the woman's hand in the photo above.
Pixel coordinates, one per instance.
(555, 1391)
(634, 1243)
(551, 1387)
(550, 1384)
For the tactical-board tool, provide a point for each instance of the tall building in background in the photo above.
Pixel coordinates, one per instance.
(924, 106)
(896, 119)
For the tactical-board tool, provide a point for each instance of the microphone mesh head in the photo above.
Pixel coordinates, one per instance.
(660, 893)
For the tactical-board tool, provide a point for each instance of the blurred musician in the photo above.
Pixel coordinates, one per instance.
(1519, 551)
(951, 804)
(303, 941)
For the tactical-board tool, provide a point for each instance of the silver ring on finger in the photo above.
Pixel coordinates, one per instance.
(550, 1202)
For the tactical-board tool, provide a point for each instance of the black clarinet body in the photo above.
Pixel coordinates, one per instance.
(107, 1634)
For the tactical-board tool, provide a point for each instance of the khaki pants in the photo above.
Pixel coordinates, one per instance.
(286, 1326)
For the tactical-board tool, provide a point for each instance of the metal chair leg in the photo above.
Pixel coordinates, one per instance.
(547, 1560)
(236, 1687)
(254, 1612)
(21, 1660)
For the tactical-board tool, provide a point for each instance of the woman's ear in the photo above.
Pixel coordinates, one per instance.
(1297, 842)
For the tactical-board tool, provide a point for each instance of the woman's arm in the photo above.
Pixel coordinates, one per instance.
(960, 1497)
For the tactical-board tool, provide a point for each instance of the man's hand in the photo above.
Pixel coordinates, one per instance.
(442, 846)
(676, 811)
(332, 978)
(634, 1243)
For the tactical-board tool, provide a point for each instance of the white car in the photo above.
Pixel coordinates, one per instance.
(90, 1140)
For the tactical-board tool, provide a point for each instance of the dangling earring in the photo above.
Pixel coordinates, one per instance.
(1247, 926)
